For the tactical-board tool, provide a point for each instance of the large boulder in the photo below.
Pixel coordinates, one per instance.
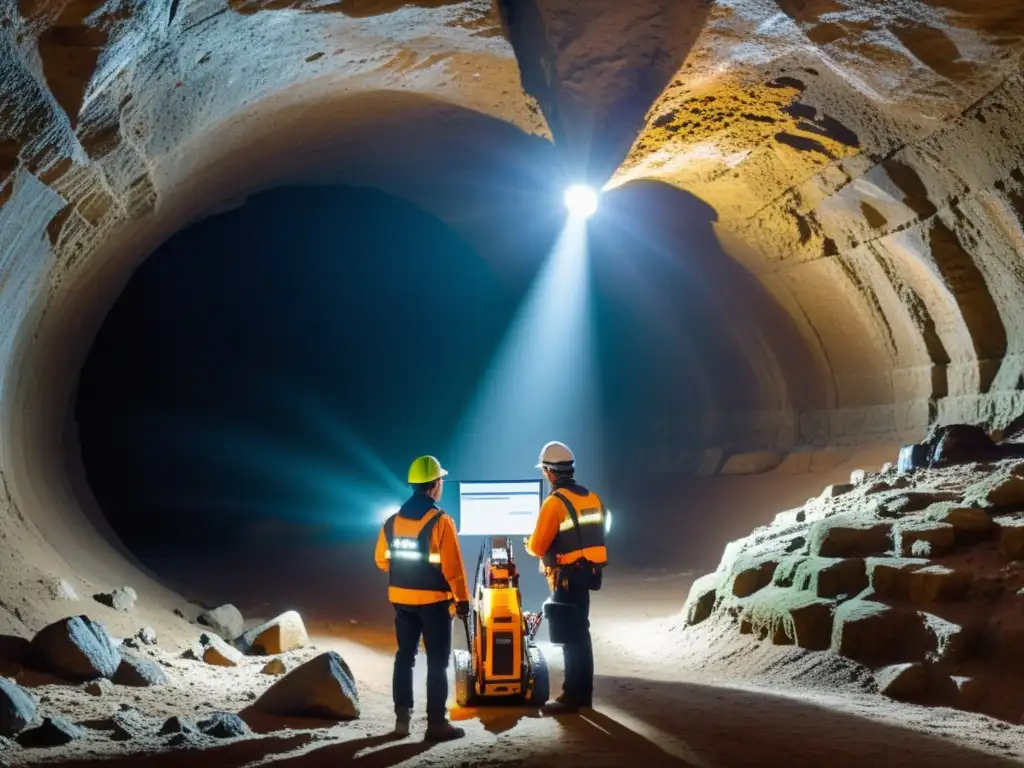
(53, 732)
(323, 687)
(76, 649)
(226, 621)
(844, 536)
(139, 672)
(961, 444)
(279, 635)
(17, 708)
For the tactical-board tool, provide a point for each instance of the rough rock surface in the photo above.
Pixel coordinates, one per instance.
(17, 708)
(929, 598)
(139, 672)
(323, 687)
(226, 621)
(279, 635)
(76, 648)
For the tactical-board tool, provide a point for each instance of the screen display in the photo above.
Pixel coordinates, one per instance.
(499, 508)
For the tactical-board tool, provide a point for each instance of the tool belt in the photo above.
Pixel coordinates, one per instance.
(593, 571)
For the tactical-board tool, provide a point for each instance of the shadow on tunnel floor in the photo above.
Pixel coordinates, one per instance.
(732, 727)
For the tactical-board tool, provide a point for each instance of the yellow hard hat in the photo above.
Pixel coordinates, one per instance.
(425, 469)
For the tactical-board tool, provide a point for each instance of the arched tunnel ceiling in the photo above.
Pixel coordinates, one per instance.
(861, 159)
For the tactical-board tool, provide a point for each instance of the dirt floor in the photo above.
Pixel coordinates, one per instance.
(654, 703)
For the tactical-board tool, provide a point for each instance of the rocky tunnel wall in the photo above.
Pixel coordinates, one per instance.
(860, 183)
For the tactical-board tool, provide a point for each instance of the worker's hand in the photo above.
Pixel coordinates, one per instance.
(462, 609)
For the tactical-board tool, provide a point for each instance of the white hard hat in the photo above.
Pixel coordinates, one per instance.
(555, 455)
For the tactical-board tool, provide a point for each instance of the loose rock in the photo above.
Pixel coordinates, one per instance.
(100, 687)
(17, 708)
(219, 653)
(836, 490)
(226, 621)
(76, 648)
(280, 635)
(277, 667)
(121, 599)
(903, 682)
(224, 725)
(139, 672)
(54, 732)
(178, 725)
(323, 687)
(61, 590)
(147, 636)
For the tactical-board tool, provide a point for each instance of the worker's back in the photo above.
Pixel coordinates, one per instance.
(581, 538)
(419, 549)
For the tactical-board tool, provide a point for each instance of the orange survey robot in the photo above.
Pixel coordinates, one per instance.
(504, 663)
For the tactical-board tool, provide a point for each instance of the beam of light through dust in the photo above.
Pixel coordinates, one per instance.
(542, 383)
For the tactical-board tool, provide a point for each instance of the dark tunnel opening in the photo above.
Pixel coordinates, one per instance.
(267, 374)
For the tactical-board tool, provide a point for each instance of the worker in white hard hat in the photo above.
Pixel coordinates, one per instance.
(569, 540)
(418, 546)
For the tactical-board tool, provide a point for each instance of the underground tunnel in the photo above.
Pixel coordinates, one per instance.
(255, 257)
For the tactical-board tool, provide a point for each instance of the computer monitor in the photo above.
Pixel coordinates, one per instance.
(499, 508)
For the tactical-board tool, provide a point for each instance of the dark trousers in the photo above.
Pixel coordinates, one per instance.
(574, 587)
(434, 623)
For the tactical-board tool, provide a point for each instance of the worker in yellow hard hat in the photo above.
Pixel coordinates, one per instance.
(569, 539)
(419, 548)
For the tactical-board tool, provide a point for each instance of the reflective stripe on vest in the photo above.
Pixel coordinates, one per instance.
(413, 564)
(579, 532)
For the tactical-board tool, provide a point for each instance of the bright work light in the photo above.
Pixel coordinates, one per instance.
(581, 201)
(387, 512)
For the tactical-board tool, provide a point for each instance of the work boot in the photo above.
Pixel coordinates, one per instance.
(565, 705)
(402, 718)
(442, 730)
